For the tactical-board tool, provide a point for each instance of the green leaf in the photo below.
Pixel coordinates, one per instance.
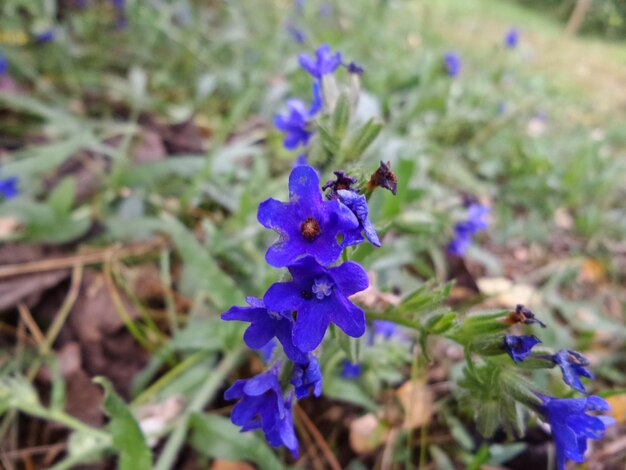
(128, 440)
(341, 116)
(201, 270)
(330, 143)
(215, 436)
(62, 196)
(363, 139)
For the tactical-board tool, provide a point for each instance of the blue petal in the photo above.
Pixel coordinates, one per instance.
(304, 185)
(350, 277)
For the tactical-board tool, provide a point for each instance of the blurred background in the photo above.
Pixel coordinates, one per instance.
(137, 140)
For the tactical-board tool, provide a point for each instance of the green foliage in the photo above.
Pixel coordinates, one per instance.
(128, 439)
(215, 436)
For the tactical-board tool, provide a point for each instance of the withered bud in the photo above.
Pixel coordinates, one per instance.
(384, 178)
(523, 315)
(342, 181)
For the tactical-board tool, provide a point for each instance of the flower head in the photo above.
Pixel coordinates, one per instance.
(319, 296)
(261, 406)
(463, 231)
(307, 378)
(45, 36)
(357, 203)
(8, 187)
(519, 347)
(572, 366)
(511, 38)
(295, 121)
(572, 426)
(4, 64)
(350, 370)
(341, 181)
(452, 62)
(296, 33)
(307, 224)
(264, 326)
(325, 62)
(385, 328)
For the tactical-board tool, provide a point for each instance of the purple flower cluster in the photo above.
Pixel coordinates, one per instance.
(511, 38)
(452, 63)
(312, 233)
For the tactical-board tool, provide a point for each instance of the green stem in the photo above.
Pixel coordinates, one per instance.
(168, 457)
(395, 319)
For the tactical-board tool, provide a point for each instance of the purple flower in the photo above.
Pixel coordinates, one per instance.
(283, 434)
(266, 325)
(319, 296)
(350, 370)
(355, 68)
(295, 122)
(341, 181)
(296, 33)
(8, 187)
(463, 231)
(452, 61)
(519, 347)
(307, 225)
(572, 366)
(384, 328)
(261, 406)
(4, 64)
(267, 351)
(45, 36)
(511, 38)
(357, 203)
(307, 378)
(325, 62)
(571, 426)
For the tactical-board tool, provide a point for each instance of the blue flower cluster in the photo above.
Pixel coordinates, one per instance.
(313, 232)
(570, 425)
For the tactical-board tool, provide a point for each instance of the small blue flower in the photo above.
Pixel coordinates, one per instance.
(463, 231)
(384, 328)
(571, 426)
(266, 325)
(261, 406)
(307, 378)
(4, 64)
(572, 366)
(511, 38)
(325, 62)
(452, 62)
(307, 224)
(296, 33)
(295, 122)
(357, 203)
(350, 370)
(319, 296)
(45, 36)
(519, 347)
(9, 187)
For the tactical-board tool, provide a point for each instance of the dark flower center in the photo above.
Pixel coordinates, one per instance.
(310, 229)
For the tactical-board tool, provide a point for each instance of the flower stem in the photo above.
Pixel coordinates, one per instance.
(395, 319)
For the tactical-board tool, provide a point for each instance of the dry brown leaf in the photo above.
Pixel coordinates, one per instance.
(367, 433)
(591, 271)
(418, 403)
(505, 293)
(8, 226)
